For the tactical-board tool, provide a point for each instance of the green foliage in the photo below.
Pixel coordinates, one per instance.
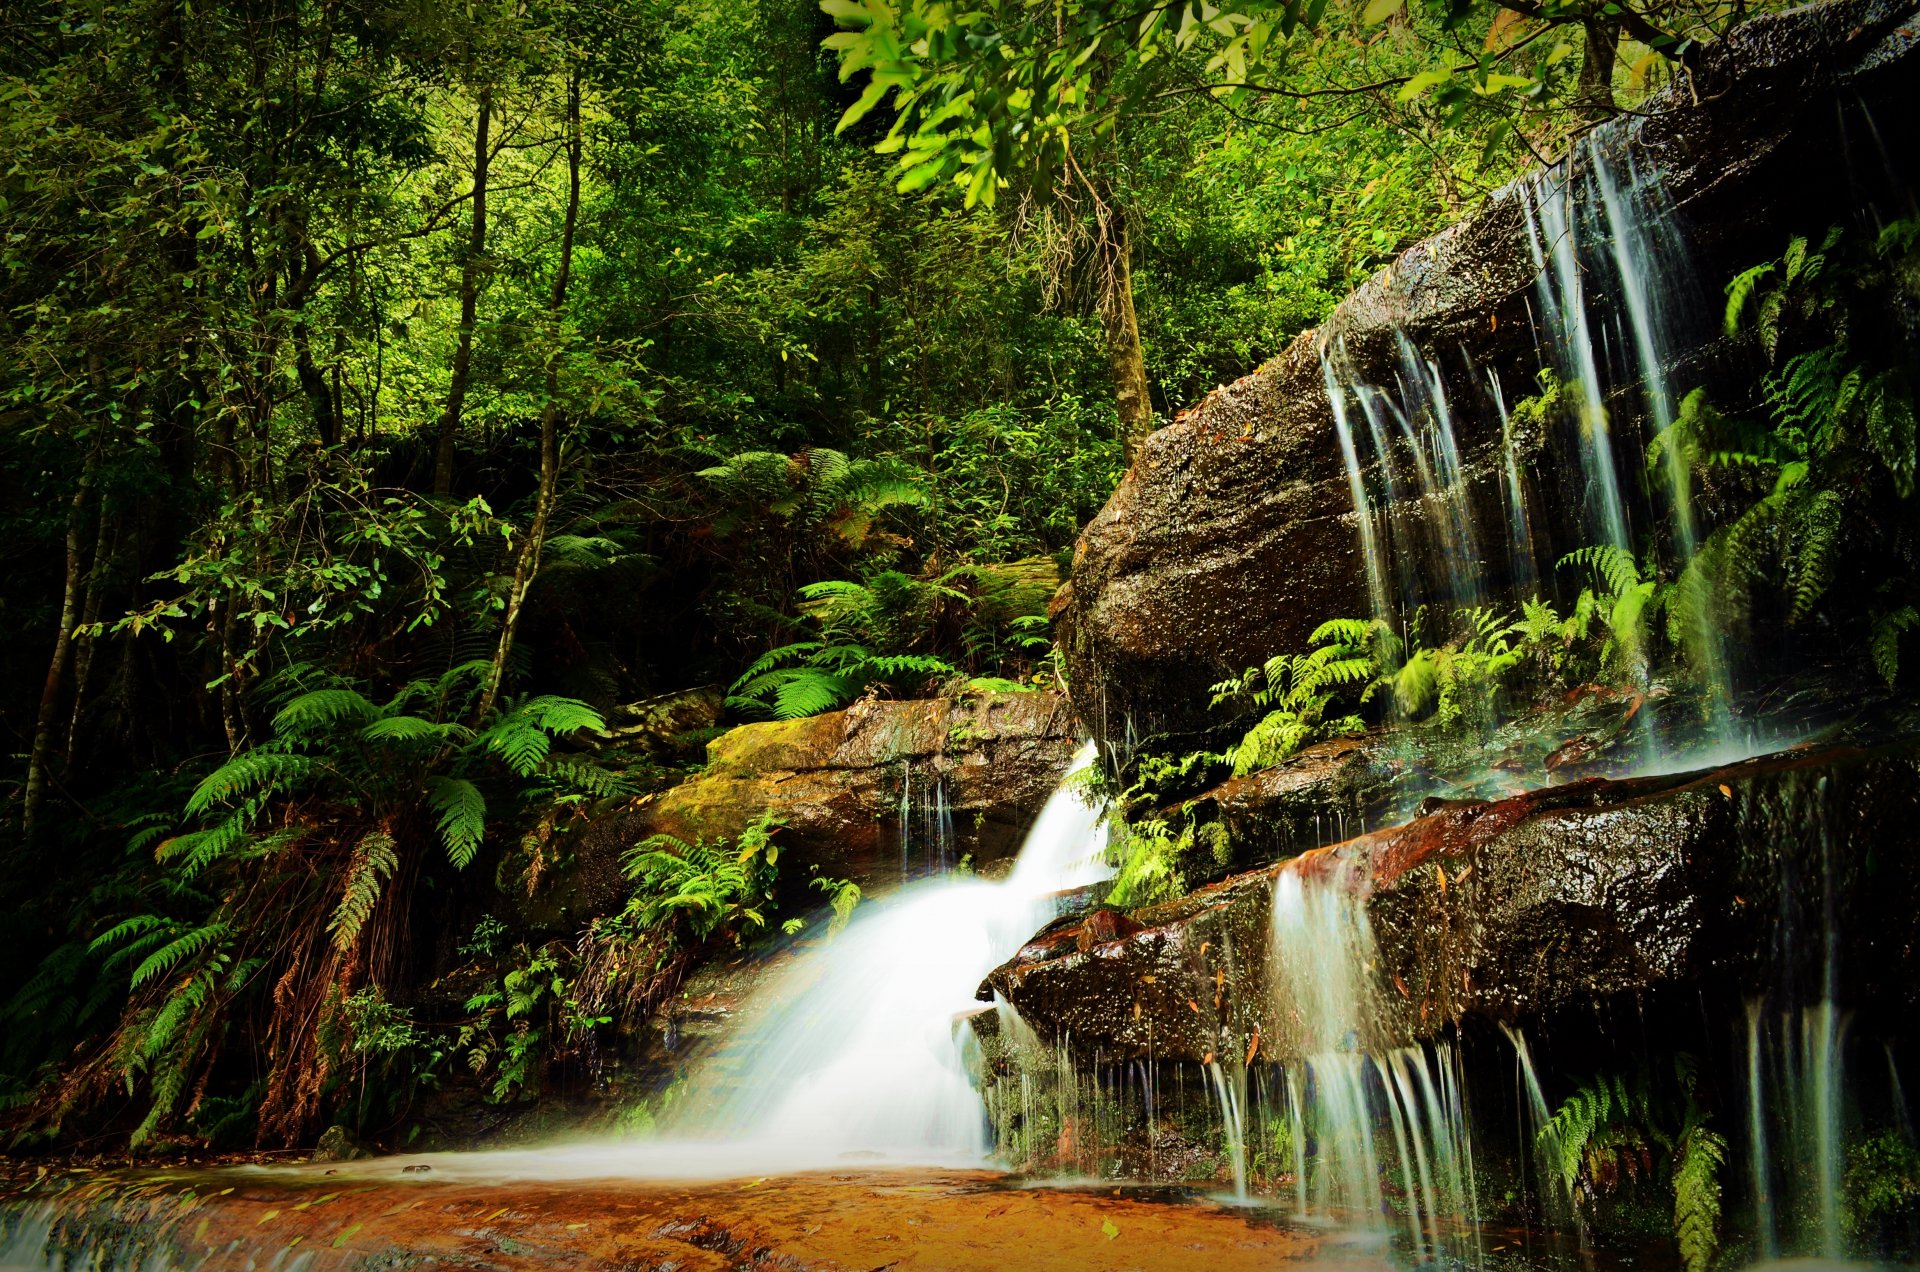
(1350, 659)
(374, 862)
(1614, 1131)
(1880, 1191)
(1837, 448)
(1146, 855)
(867, 632)
(696, 892)
(1624, 603)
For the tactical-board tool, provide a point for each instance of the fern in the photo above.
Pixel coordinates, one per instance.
(185, 946)
(1885, 640)
(463, 816)
(263, 766)
(1696, 1196)
(321, 709)
(587, 779)
(374, 862)
(405, 728)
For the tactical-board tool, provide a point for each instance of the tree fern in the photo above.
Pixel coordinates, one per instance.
(374, 862)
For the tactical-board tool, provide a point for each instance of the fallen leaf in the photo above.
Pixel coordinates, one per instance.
(1193, 1006)
(1110, 1229)
(345, 1235)
(1254, 1045)
(1726, 790)
(1441, 871)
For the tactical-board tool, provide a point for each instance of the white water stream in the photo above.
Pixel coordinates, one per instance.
(854, 1051)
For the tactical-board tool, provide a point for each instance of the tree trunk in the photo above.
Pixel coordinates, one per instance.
(43, 727)
(527, 566)
(313, 382)
(470, 264)
(1593, 96)
(1126, 361)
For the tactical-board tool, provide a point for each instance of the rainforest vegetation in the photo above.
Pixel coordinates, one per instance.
(392, 394)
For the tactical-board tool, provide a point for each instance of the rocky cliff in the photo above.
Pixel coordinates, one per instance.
(1234, 533)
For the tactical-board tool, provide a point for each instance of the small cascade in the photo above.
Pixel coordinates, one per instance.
(926, 826)
(1230, 1089)
(855, 1048)
(1410, 425)
(1521, 562)
(1534, 1121)
(1357, 486)
(1551, 216)
(1362, 1112)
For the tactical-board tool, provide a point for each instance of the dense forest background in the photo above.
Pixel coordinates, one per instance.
(391, 391)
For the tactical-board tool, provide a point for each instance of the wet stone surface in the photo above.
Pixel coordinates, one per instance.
(376, 1216)
(1507, 909)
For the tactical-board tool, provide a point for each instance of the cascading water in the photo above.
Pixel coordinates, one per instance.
(1347, 1085)
(854, 1048)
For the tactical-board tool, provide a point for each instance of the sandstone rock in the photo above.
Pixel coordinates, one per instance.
(338, 1144)
(1723, 881)
(1233, 535)
(988, 760)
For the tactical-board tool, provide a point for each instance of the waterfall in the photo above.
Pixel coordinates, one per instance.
(1551, 215)
(853, 1048)
(1347, 1084)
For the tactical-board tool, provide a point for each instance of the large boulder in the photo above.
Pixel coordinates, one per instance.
(1234, 533)
(1731, 881)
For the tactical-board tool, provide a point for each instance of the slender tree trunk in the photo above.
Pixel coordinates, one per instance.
(527, 565)
(1126, 361)
(1593, 96)
(470, 265)
(106, 549)
(313, 382)
(43, 728)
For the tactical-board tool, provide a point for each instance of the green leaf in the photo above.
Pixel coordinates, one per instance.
(463, 816)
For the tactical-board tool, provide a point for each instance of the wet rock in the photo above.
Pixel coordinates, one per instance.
(1306, 801)
(1723, 881)
(338, 1144)
(669, 721)
(1233, 534)
(974, 770)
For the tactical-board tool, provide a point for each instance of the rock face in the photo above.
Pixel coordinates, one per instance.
(1234, 533)
(980, 768)
(1510, 909)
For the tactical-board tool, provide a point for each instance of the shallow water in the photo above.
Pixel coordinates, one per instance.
(481, 1213)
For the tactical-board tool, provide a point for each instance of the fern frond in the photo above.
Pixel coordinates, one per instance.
(1814, 548)
(275, 770)
(560, 716)
(405, 728)
(589, 779)
(138, 925)
(1740, 291)
(1885, 640)
(374, 862)
(1700, 1155)
(322, 709)
(182, 947)
(463, 816)
(1609, 564)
